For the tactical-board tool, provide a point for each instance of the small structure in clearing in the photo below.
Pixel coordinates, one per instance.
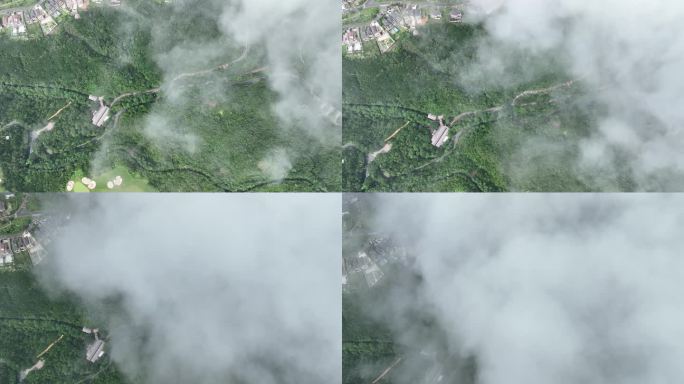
(441, 135)
(101, 115)
(95, 350)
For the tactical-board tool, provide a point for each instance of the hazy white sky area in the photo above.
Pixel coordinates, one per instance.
(629, 54)
(551, 288)
(305, 64)
(211, 288)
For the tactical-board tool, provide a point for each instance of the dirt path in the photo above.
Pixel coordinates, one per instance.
(542, 90)
(49, 347)
(10, 124)
(386, 148)
(60, 111)
(37, 366)
(387, 370)
(118, 98)
(514, 102)
(105, 133)
(91, 377)
(466, 114)
(221, 67)
(397, 131)
(49, 127)
(372, 156)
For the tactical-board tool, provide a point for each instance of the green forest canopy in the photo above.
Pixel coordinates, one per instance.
(109, 53)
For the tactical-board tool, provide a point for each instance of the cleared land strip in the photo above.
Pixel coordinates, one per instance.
(387, 370)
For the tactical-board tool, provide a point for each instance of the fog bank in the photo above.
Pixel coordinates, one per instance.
(208, 288)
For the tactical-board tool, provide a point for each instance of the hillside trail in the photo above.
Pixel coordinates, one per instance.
(181, 76)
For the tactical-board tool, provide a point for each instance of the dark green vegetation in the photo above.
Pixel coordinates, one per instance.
(30, 321)
(223, 113)
(391, 324)
(39, 77)
(362, 16)
(15, 226)
(367, 346)
(388, 324)
(16, 217)
(528, 143)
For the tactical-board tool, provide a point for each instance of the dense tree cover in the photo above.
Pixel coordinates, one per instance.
(367, 345)
(38, 77)
(228, 141)
(30, 321)
(391, 321)
(45, 163)
(15, 226)
(83, 58)
(109, 53)
(410, 75)
(532, 145)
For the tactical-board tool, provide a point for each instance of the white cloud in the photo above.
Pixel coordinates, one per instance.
(551, 288)
(240, 288)
(628, 54)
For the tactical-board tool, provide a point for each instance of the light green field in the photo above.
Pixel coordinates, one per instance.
(131, 182)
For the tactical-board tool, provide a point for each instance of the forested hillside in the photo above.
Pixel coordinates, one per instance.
(521, 134)
(177, 122)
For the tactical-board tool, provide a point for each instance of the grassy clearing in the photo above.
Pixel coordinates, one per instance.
(131, 181)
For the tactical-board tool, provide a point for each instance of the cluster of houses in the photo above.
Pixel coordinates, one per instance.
(14, 23)
(24, 242)
(21, 243)
(6, 254)
(390, 21)
(59, 7)
(351, 4)
(377, 253)
(45, 13)
(364, 265)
